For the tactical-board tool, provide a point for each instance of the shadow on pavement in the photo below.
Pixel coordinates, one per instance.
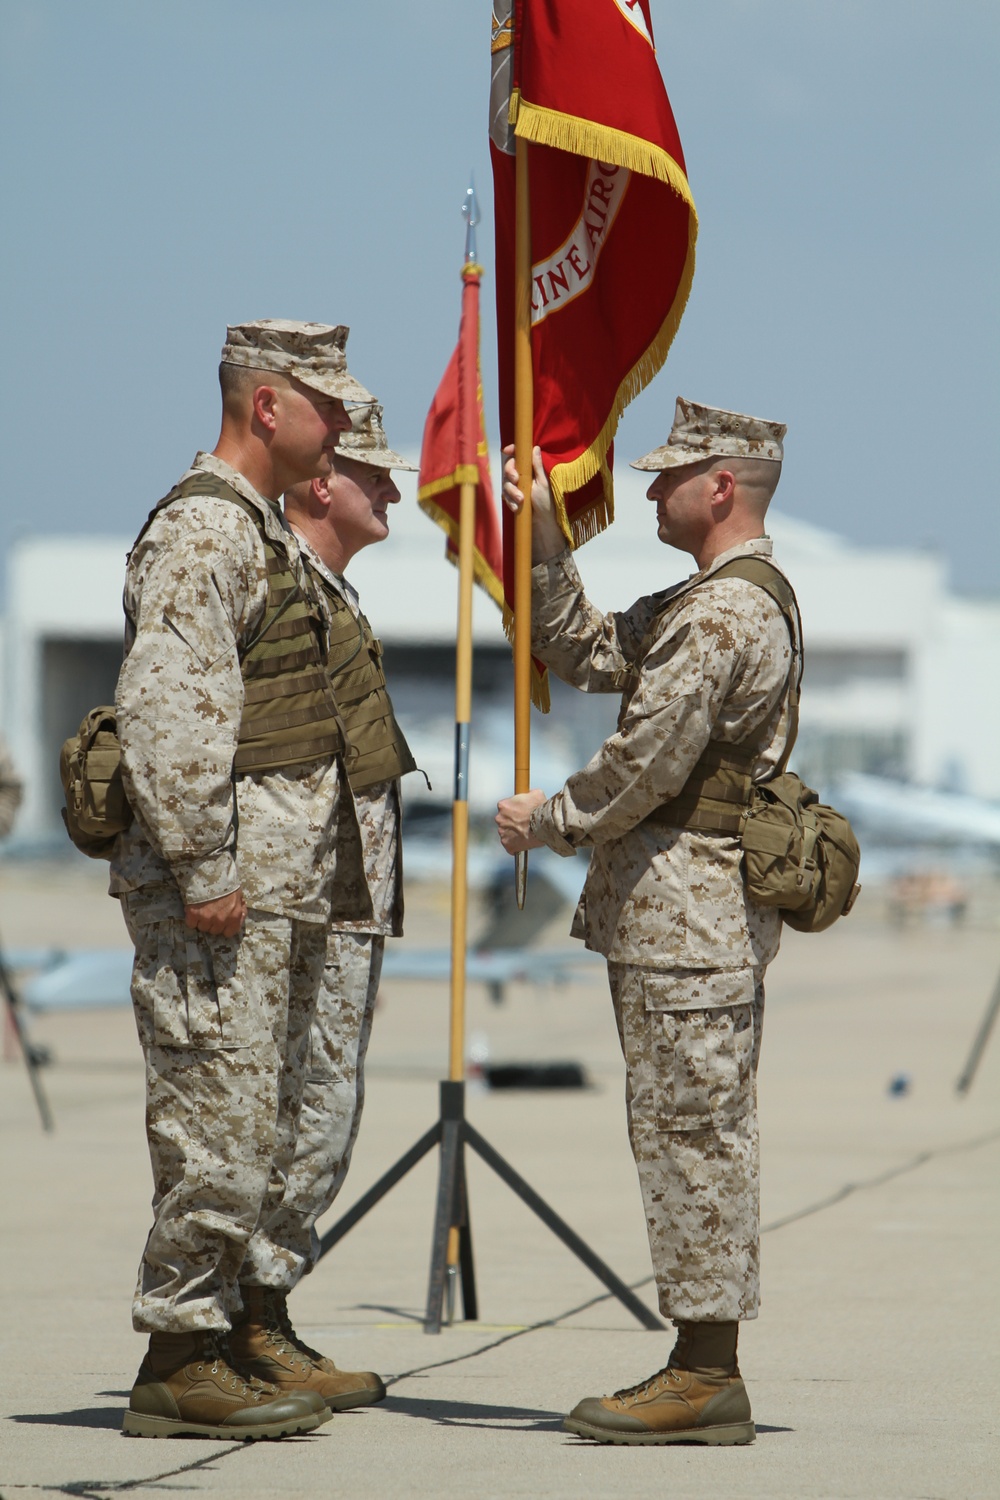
(87, 1416)
(474, 1414)
(404, 1314)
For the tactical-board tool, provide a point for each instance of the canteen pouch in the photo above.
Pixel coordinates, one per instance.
(97, 809)
(799, 855)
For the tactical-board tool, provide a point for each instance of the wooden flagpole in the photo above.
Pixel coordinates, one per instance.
(463, 719)
(460, 805)
(460, 833)
(523, 435)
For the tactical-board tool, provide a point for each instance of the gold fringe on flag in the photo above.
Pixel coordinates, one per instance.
(547, 127)
(565, 478)
(539, 683)
(481, 570)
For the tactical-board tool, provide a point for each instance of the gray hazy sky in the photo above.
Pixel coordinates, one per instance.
(169, 168)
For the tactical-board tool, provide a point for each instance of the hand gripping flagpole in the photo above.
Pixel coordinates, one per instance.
(523, 435)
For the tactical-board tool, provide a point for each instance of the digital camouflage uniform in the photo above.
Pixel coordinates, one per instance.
(223, 1022)
(686, 948)
(286, 1245)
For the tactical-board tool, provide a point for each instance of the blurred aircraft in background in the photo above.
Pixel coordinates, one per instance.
(900, 813)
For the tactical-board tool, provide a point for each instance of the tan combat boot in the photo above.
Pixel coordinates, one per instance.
(264, 1343)
(186, 1387)
(699, 1397)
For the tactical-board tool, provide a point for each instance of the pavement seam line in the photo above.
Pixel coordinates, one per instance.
(850, 1188)
(100, 1489)
(96, 1490)
(847, 1191)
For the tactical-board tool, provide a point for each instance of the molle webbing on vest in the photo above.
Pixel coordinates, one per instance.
(289, 713)
(376, 749)
(716, 795)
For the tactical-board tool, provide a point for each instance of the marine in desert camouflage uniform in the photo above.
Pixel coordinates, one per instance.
(237, 859)
(334, 517)
(702, 667)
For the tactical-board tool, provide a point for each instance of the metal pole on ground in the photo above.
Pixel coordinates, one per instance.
(979, 1045)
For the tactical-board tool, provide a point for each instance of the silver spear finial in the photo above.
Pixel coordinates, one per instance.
(471, 215)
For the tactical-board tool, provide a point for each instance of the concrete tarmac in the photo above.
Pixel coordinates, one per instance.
(872, 1369)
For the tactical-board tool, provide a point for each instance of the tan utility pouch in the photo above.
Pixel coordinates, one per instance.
(799, 854)
(90, 767)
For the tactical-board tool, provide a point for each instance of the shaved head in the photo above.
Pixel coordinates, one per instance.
(238, 383)
(756, 478)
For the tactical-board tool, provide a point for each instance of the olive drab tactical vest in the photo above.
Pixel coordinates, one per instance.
(290, 714)
(798, 854)
(718, 791)
(376, 748)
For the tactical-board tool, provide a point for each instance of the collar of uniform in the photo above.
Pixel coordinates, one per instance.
(758, 546)
(218, 466)
(346, 590)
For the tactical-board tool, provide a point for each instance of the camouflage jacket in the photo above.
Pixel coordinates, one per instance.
(716, 666)
(195, 587)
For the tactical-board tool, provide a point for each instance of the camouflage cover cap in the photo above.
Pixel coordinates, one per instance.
(709, 432)
(315, 353)
(366, 443)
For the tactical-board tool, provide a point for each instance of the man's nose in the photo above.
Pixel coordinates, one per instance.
(341, 419)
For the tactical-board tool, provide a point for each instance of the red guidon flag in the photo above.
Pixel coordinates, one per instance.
(613, 229)
(454, 449)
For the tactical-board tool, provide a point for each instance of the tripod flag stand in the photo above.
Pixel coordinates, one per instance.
(473, 535)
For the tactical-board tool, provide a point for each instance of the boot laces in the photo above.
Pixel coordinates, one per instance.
(226, 1373)
(277, 1309)
(280, 1333)
(645, 1387)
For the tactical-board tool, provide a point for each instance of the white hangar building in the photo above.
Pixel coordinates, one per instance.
(897, 680)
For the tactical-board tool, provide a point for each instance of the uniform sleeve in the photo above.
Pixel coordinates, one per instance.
(582, 646)
(179, 702)
(708, 649)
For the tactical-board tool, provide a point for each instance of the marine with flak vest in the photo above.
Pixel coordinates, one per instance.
(333, 517)
(243, 850)
(708, 673)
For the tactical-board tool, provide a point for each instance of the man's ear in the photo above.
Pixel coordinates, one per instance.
(265, 400)
(321, 492)
(724, 486)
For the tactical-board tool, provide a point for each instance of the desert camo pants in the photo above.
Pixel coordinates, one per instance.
(691, 1041)
(286, 1244)
(224, 1027)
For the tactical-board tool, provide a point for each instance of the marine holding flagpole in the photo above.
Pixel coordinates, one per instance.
(707, 671)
